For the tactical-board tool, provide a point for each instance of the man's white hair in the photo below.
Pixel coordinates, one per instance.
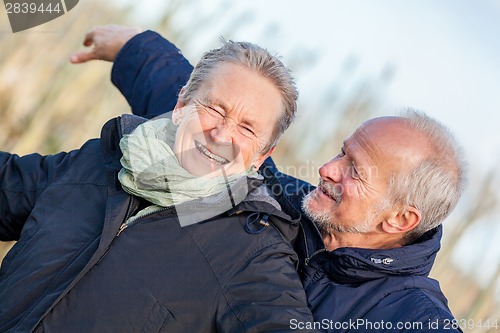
(436, 183)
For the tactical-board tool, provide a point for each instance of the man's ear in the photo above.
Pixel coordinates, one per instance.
(258, 162)
(402, 221)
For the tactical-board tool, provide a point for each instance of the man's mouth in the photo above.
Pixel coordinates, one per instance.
(330, 191)
(214, 158)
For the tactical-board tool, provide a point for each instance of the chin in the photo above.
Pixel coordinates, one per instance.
(194, 167)
(314, 211)
(310, 202)
(203, 171)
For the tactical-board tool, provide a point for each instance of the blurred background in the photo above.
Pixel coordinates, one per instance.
(352, 60)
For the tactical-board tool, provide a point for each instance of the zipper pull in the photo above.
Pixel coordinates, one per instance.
(308, 260)
(122, 227)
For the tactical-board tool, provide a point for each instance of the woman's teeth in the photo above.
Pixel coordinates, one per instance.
(216, 158)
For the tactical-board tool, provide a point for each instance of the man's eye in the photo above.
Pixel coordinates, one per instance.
(342, 152)
(355, 173)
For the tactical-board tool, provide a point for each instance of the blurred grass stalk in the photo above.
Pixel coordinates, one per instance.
(48, 105)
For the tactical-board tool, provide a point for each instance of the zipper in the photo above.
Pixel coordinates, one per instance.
(127, 216)
(307, 260)
(129, 221)
(308, 257)
(122, 227)
(305, 242)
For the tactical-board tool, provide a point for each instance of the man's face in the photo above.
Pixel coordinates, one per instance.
(351, 196)
(228, 122)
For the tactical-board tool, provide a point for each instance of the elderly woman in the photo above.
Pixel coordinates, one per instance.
(147, 229)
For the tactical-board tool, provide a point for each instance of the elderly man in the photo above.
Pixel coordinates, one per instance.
(378, 208)
(115, 236)
(373, 225)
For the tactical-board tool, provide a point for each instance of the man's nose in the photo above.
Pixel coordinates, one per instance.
(332, 170)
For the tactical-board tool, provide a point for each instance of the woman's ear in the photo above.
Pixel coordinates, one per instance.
(258, 162)
(177, 113)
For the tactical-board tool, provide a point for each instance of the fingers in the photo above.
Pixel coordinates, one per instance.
(105, 42)
(86, 55)
(82, 56)
(89, 38)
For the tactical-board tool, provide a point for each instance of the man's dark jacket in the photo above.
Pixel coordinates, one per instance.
(73, 271)
(364, 290)
(349, 289)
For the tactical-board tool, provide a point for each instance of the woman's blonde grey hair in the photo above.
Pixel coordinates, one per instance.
(435, 185)
(255, 58)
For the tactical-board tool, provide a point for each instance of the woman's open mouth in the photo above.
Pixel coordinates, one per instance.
(212, 157)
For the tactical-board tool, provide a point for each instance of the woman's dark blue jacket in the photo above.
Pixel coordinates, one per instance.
(73, 269)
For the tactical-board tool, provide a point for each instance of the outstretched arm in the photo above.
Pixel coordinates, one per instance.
(105, 42)
(23, 179)
(148, 70)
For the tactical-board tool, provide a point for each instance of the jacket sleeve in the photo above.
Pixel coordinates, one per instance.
(150, 71)
(22, 180)
(265, 294)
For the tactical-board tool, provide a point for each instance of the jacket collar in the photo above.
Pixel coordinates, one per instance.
(355, 265)
(111, 133)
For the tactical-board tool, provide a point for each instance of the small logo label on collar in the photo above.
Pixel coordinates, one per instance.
(385, 261)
